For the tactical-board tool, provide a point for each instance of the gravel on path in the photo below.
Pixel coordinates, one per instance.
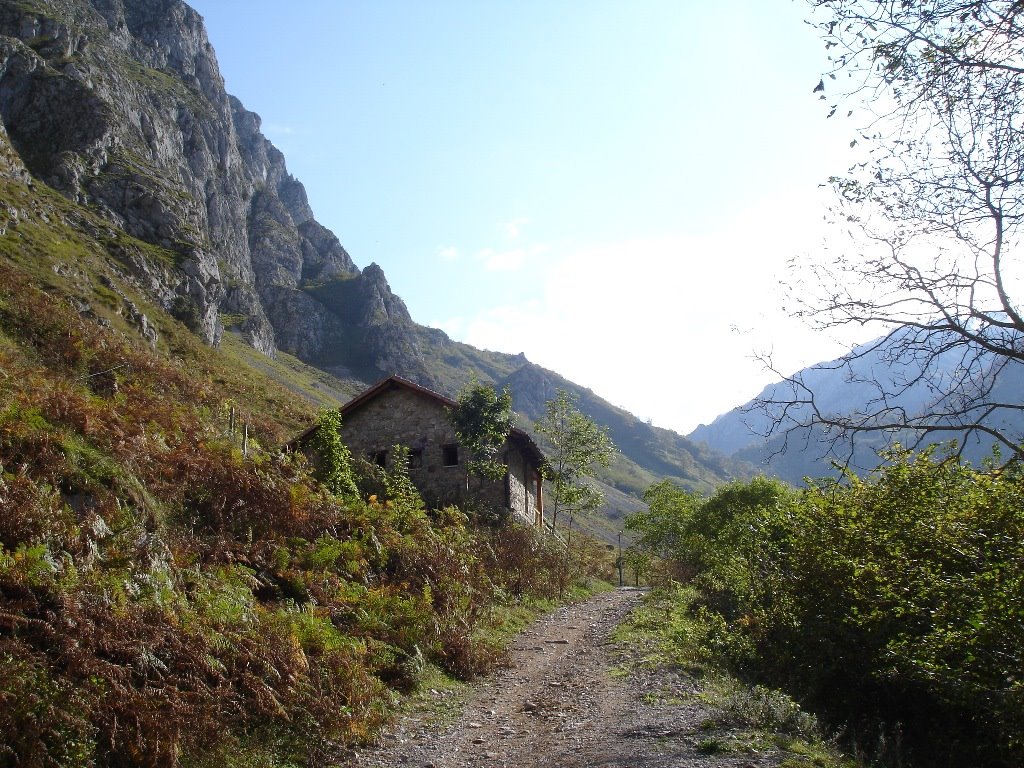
(564, 701)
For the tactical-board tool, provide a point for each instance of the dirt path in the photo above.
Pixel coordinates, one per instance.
(563, 702)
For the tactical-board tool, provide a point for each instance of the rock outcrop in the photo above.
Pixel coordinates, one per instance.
(120, 105)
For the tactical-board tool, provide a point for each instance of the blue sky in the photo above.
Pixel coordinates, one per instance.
(613, 188)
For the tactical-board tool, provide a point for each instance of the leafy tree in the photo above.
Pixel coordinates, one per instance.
(931, 218)
(334, 461)
(576, 446)
(662, 529)
(483, 420)
(398, 486)
(720, 541)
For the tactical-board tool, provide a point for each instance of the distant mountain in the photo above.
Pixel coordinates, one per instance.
(119, 106)
(841, 389)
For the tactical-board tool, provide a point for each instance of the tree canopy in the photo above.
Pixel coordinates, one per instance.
(576, 445)
(483, 420)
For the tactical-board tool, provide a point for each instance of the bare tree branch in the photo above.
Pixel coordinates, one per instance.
(927, 230)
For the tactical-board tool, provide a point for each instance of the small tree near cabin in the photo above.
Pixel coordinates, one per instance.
(483, 419)
(577, 446)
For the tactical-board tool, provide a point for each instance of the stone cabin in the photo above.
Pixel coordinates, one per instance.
(396, 411)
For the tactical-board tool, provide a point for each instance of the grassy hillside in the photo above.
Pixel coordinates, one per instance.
(165, 598)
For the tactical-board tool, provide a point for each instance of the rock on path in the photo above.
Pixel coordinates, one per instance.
(561, 703)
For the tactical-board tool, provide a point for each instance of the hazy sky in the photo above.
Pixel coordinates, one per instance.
(613, 188)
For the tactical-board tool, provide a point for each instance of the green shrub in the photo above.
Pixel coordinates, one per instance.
(889, 600)
(333, 459)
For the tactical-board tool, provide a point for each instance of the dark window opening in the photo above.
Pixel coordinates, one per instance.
(380, 458)
(416, 458)
(450, 455)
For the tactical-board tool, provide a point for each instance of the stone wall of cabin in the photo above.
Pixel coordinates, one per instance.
(522, 486)
(404, 417)
(519, 497)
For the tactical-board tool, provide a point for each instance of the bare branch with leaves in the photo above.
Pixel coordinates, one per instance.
(928, 226)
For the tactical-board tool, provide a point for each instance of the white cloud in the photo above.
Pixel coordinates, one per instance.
(448, 253)
(510, 259)
(514, 228)
(278, 129)
(503, 261)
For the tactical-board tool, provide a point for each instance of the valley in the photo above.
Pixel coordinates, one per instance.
(185, 583)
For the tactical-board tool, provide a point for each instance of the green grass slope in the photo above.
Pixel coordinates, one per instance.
(166, 598)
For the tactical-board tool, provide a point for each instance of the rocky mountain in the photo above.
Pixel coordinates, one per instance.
(119, 106)
(848, 389)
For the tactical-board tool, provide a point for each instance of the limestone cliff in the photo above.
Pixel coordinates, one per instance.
(120, 105)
